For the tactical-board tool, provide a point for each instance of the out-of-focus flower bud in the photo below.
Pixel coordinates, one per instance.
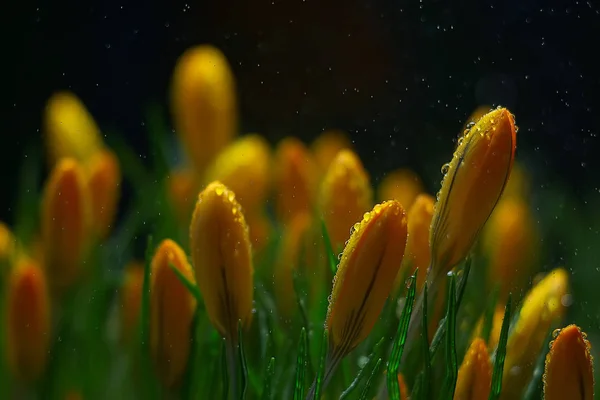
(365, 276)
(131, 300)
(104, 181)
(472, 185)
(403, 185)
(27, 322)
(182, 186)
(542, 307)
(344, 197)
(203, 103)
(260, 230)
(475, 374)
(569, 370)
(66, 223)
(222, 259)
(518, 184)
(7, 249)
(172, 309)
(244, 167)
(497, 319)
(327, 145)
(403, 388)
(476, 115)
(295, 179)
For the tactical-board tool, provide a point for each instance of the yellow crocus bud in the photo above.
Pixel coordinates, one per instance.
(510, 241)
(569, 372)
(365, 276)
(542, 306)
(130, 298)
(475, 374)
(222, 259)
(66, 223)
(182, 187)
(203, 103)
(104, 180)
(403, 185)
(345, 196)
(172, 309)
(497, 319)
(27, 322)
(70, 130)
(295, 178)
(518, 184)
(327, 145)
(473, 183)
(244, 167)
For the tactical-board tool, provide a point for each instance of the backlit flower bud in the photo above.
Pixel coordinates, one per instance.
(542, 307)
(27, 322)
(182, 187)
(7, 249)
(260, 230)
(70, 130)
(569, 370)
(244, 167)
(496, 328)
(222, 259)
(344, 197)
(365, 276)
(294, 180)
(475, 374)
(130, 298)
(473, 183)
(327, 145)
(402, 185)
(66, 223)
(172, 309)
(203, 103)
(104, 180)
(518, 184)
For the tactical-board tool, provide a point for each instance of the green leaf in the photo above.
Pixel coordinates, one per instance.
(242, 361)
(303, 313)
(268, 383)
(400, 341)
(321, 370)
(301, 367)
(535, 387)
(224, 371)
(329, 248)
(451, 358)
(362, 371)
(425, 340)
(501, 353)
(365, 392)
(189, 285)
(488, 318)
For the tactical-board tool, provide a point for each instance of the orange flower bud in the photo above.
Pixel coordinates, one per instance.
(203, 103)
(475, 374)
(182, 186)
(365, 276)
(28, 322)
(511, 244)
(471, 188)
(131, 300)
(104, 180)
(497, 319)
(222, 259)
(542, 306)
(260, 230)
(172, 309)
(295, 179)
(70, 130)
(569, 370)
(244, 167)
(403, 387)
(327, 146)
(7, 249)
(66, 222)
(344, 197)
(402, 185)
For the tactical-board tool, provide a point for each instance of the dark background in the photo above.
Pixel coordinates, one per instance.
(400, 76)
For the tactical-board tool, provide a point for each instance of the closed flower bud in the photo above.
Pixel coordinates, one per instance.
(542, 307)
(130, 298)
(365, 276)
(182, 188)
(473, 183)
(7, 249)
(327, 146)
(244, 167)
(344, 197)
(27, 322)
(569, 370)
(172, 309)
(497, 319)
(295, 179)
(402, 185)
(66, 223)
(203, 103)
(518, 184)
(222, 259)
(70, 130)
(475, 374)
(403, 387)
(104, 180)
(260, 229)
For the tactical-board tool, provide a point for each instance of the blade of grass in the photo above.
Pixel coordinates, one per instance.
(242, 362)
(501, 353)
(535, 387)
(365, 392)
(362, 371)
(303, 315)
(301, 367)
(224, 372)
(451, 358)
(189, 285)
(425, 341)
(329, 248)
(488, 318)
(266, 394)
(321, 370)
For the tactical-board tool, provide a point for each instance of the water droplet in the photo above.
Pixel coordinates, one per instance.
(219, 191)
(555, 333)
(445, 168)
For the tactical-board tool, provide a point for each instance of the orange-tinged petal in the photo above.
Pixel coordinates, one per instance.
(475, 374)
(365, 275)
(542, 307)
(403, 185)
(182, 186)
(70, 130)
(131, 300)
(294, 180)
(471, 188)
(344, 197)
(496, 328)
(327, 145)
(222, 258)
(203, 103)
(172, 309)
(27, 322)
(403, 387)
(104, 181)
(66, 223)
(244, 167)
(569, 372)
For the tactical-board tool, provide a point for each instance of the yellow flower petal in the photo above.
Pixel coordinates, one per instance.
(496, 328)
(402, 185)
(130, 297)
(475, 374)
(104, 181)
(327, 146)
(182, 187)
